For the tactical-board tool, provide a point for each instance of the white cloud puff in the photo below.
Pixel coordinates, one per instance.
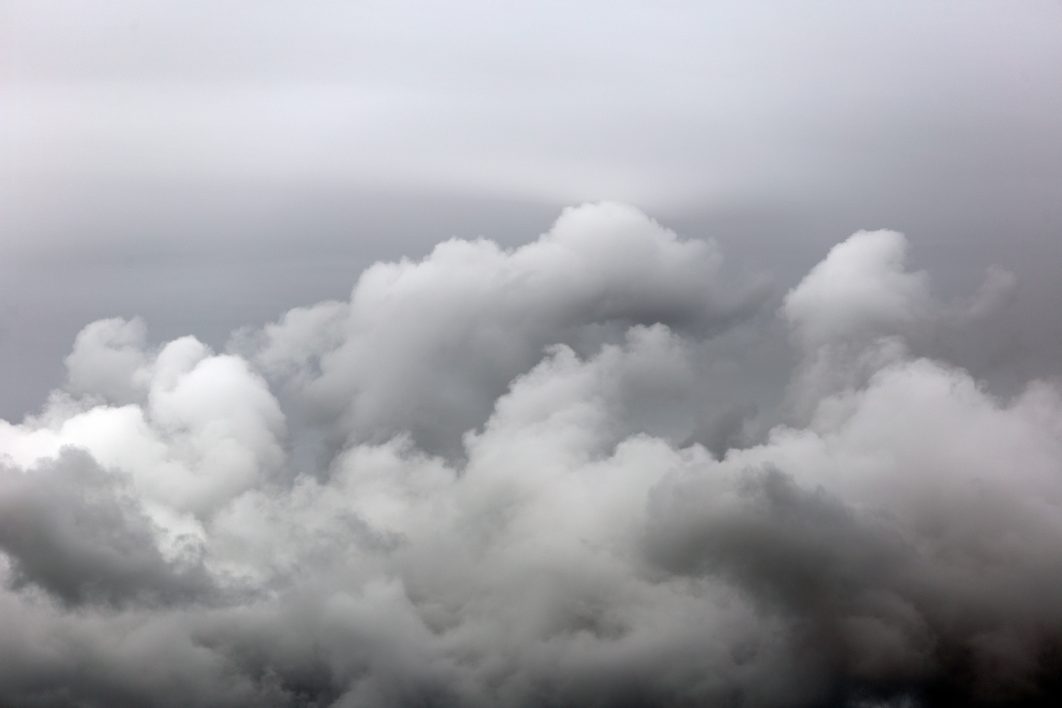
(482, 481)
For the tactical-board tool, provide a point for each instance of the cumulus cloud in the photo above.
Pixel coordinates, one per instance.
(496, 477)
(70, 529)
(426, 347)
(860, 287)
(861, 308)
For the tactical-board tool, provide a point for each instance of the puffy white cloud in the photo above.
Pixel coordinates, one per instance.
(109, 360)
(860, 287)
(861, 309)
(426, 347)
(483, 481)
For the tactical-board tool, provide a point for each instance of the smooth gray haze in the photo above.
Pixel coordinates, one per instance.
(530, 354)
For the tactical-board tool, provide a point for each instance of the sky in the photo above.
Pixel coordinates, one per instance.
(492, 353)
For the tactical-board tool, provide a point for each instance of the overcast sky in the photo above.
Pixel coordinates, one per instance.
(216, 162)
(477, 353)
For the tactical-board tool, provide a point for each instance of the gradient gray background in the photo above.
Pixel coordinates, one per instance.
(209, 165)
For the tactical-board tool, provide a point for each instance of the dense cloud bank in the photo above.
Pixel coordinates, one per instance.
(532, 477)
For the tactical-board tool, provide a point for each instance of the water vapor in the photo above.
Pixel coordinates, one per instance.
(537, 476)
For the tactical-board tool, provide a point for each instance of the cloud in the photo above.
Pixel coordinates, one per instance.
(860, 287)
(485, 480)
(70, 529)
(426, 347)
(861, 309)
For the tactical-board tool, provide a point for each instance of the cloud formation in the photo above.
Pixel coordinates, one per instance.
(500, 477)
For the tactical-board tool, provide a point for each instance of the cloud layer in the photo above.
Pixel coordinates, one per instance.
(535, 477)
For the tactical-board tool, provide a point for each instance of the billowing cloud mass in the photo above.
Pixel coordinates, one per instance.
(543, 476)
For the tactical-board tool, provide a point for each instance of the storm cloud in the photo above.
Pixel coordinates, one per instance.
(531, 476)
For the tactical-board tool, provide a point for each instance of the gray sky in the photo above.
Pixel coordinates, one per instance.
(361, 354)
(208, 165)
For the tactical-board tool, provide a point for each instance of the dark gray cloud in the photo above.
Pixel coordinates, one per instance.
(72, 530)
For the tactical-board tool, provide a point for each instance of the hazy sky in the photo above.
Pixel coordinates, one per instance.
(215, 162)
(530, 354)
